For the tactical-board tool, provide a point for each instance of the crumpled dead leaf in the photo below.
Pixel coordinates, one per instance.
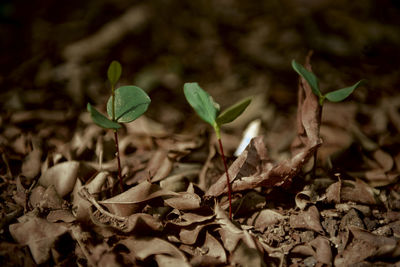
(41, 237)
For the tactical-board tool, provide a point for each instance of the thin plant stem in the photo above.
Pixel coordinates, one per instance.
(118, 160)
(319, 118)
(227, 178)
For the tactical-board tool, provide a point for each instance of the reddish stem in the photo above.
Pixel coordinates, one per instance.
(119, 161)
(227, 178)
(319, 122)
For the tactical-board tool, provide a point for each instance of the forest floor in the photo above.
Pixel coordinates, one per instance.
(60, 200)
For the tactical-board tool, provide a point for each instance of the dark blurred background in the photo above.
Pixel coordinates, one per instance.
(54, 54)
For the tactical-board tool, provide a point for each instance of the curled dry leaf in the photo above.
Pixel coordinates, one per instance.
(41, 237)
(62, 176)
(124, 204)
(304, 198)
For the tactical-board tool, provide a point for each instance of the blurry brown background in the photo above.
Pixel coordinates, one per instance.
(54, 54)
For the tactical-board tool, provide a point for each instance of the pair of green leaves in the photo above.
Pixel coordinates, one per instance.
(129, 102)
(312, 80)
(209, 110)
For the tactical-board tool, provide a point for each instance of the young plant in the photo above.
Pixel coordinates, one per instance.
(126, 104)
(209, 111)
(334, 96)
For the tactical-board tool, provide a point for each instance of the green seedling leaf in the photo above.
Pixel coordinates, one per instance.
(130, 103)
(341, 94)
(102, 120)
(114, 72)
(234, 111)
(310, 77)
(201, 102)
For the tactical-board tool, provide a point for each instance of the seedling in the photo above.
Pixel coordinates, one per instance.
(334, 96)
(209, 111)
(126, 104)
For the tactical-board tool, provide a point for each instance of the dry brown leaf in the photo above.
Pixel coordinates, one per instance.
(45, 198)
(41, 237)
(158, 158)
(189, 235)
(147, 127)
(266, 218)
(384, 160)
(308, 219)
(141, 248)
(246, 256)
(333, 192)
(31, 164)
(357, 191)
(168, 261)
(142, 222)
(214, 249)
(365, 245)
(304, 198)
(62, 176)
(323, 252)
(125, 203)
(184, 201)
(189, 218)
(60, 215)
(178, 179)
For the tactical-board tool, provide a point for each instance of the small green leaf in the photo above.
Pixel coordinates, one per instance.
(114, 72)
(310, 77)
(130, 103)
(341, 94)
(102, 120)
(233, 111)
(201, 102)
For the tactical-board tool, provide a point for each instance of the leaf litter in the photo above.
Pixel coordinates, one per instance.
(172, 215)
(174, 209)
